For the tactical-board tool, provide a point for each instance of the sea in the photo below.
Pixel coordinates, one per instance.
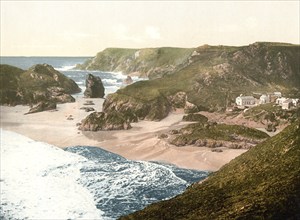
(112, 81)
(41, 181)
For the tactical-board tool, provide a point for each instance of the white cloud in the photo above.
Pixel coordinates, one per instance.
(152, 32)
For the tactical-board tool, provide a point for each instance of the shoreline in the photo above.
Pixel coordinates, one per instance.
(141, 142)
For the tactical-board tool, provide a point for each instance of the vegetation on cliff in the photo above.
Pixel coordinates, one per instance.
(148, 62)
(263, 183)
(39, 83)
(216, 75)
(218, 135)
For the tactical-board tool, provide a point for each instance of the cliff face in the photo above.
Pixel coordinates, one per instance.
(263, 183)
(216, 75)
(39, 83)
(150, 62)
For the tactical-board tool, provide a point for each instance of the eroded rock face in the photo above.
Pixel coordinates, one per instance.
(40, 83)
(42, 106)
(94, 87)
(153, 110)
(97, 121)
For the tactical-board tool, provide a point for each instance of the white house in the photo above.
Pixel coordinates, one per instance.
(264, 99)
(245, 101)
(279, 101)
(287, 104)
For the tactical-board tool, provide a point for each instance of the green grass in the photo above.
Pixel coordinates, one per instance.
(263, 183)
(219, 132)
(214, 89)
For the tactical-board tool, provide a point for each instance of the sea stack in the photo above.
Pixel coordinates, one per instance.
(94, 87)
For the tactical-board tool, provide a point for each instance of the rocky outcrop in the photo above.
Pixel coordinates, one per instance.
(155, 109)
(94, 87)
(195, 117)
(42, 106)
(128, 80)
(39, 83)
(97, 121)
(218, 74)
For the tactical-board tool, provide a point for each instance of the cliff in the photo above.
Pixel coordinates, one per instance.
(215, 76)
(41, 82)
(263, 183)
(149, 62)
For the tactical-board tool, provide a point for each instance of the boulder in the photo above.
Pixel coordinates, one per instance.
(42, 106)
(135, 109)
(97, 121)
(128, 80)
(94, 87)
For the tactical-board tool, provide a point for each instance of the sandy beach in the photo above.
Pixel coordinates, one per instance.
(139, 143)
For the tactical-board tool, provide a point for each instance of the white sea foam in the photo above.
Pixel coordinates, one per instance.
(40, 181)
(65, 68)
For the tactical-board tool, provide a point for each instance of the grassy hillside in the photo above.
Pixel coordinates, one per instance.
(218, 133)
(148, 62)
(216, 75)
(263, 183)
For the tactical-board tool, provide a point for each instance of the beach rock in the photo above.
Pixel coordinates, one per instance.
(88, 109)
(134, 109)
(40, 83)
(42, 106)
(94, 87)
(97, 121)
(128, 80)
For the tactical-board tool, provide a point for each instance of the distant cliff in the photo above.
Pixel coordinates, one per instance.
(263, 183)
(213, 78)
(41, 82)
(149, 62)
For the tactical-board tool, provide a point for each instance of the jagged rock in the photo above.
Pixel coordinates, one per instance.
(94, 87)
(97, 121)
(42, 106)
(39, 83)
(155, 109)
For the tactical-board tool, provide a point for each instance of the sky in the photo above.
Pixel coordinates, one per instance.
(83, 28)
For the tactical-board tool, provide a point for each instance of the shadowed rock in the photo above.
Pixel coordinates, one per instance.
(42, 106)
(94, 87)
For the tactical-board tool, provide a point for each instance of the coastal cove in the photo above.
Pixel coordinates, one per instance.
(139, 143)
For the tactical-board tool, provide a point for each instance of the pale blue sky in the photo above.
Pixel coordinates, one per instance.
(80, 28)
